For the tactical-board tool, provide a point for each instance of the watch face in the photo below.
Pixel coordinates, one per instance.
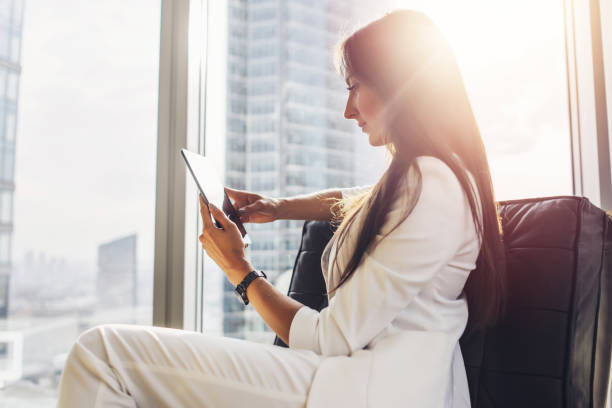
(238, 296)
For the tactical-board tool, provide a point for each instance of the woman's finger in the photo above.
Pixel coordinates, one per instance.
(235, 193)
(239, 197)
(220, 216)
(205, 214)
(246, 210)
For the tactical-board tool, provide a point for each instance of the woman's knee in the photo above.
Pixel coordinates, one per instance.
(91, 342)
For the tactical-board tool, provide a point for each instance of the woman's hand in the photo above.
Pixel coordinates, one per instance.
(223, 245)
(254, 207)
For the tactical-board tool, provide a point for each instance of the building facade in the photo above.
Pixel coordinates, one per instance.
(11, 23)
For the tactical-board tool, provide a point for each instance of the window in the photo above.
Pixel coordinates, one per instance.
(263, 165)
(516, 81)
(262, 69)
(304, 117)
(6, 207)
(260, 32)
(259, 14)
(4, 40)
(3, 75)
(77, 195)
(265, 106)
(236, 143)
(11, 126)
(15, 47)
(237, 125)
(267, 49)
(12, 87)
(262, 124)
(8, 164)
(306, 76)
(238, 106)
(239, 13)
(236, 165)
(5, 248)
(237, 87)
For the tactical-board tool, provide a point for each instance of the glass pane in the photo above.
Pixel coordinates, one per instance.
(12, 86)
(3, 75)
(8, 165)
(15, 47)
(516, 81)
(6, 207)
(5, 247)
(11, 124)
(81, 106)
(6, 7)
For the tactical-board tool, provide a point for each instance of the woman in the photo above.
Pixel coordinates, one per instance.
(400, 268)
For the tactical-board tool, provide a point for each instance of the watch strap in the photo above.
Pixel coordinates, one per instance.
(248, 279)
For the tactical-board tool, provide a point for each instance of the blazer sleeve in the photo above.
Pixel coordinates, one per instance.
(390, 276)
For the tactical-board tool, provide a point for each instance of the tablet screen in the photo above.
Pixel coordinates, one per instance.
(209, 184)
(206, 178)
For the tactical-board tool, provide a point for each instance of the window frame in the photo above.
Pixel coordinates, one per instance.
(178, 259)
(589, 134)
(170, 260)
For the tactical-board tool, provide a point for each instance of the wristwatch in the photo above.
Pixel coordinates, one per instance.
(241, 289)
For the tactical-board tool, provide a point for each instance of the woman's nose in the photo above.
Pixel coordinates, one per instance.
(350, 112)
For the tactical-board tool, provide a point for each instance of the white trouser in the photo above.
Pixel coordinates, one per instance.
(136, 366)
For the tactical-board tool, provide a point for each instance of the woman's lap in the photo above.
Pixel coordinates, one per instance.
(153, 366)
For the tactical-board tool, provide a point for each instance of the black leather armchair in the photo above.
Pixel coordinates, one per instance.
(553, 349)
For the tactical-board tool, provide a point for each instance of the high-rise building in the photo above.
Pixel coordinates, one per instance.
(11, 22)
(117, 280)
(286, 134)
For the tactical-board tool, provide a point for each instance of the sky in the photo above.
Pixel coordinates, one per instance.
(512, 57)
(86, 144)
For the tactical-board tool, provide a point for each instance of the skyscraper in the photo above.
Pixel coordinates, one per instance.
(11, 21)
(117, 280)
(286, 134)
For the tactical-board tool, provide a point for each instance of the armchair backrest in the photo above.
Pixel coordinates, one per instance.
(553, 349)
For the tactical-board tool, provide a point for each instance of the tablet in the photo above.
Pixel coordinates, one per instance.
(211, 188)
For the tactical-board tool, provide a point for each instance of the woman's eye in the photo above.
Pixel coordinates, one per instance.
(350, 88)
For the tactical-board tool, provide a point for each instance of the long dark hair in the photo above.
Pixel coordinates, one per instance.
(410, 65)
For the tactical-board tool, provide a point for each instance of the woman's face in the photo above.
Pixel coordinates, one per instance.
(366, 108)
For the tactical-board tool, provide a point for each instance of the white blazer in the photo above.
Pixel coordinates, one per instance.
(390, 333)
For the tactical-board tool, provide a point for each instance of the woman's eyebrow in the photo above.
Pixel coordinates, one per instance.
(347, 80)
